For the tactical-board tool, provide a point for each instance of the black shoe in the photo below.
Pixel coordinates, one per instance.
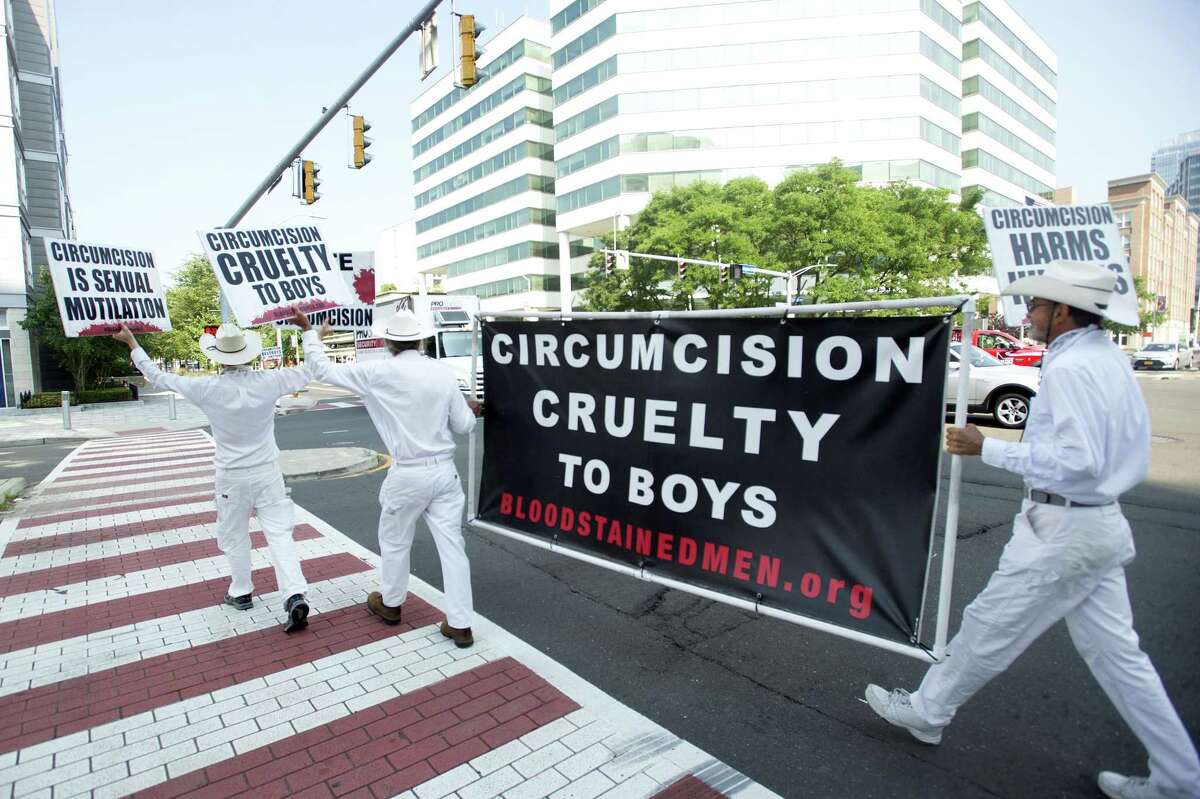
(297, 610)
(240, 602)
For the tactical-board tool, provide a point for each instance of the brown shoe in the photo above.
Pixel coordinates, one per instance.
(461, 637)
(375, 605)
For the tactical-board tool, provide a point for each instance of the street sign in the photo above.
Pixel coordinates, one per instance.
(747, 269)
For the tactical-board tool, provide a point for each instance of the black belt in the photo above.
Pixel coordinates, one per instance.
(1046, 498)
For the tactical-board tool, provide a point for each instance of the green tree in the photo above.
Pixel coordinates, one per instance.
(387, 287)
(193, 302)
(1148, 313)
(864, 242)
(89, 359)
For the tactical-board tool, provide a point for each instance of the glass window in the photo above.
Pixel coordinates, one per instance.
(990, 163)
(484, 73)
(938, 13)
(572, 12)
(979, 85)
(586, 80)
(502, 95)
(526, 149)
(526, 216)
(978, 12)
(587, 41)
(940, 56)
(534, 116)
(994, 130)
(587, 119)
(979, 49)
(492, 196)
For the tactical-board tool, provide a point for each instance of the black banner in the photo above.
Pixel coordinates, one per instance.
(796, 460)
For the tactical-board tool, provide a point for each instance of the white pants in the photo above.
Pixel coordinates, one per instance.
(259, 489)
(433, 492)
(1065, 563)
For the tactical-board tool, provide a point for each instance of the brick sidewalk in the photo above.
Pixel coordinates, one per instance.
(120, 674)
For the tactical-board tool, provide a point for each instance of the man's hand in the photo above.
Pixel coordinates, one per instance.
(324, 330)
(964, 440)
(126, 338)
(476, 407)
(300, 319)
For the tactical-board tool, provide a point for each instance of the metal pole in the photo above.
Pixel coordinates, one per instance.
(171, 406)
(952, 301)
(950, 544)
(472, 494)
(66, 408)
(328, 114)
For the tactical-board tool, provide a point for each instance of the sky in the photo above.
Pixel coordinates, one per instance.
(175, 111)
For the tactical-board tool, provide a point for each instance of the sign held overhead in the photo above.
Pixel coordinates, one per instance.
(264, 272)
(100, 288)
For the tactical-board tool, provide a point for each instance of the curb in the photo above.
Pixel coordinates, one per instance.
(37, 442)
(366, 464)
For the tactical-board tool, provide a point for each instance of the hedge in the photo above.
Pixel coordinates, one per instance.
(53, 399)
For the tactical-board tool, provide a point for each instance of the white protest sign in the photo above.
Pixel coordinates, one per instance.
(265, 271)
(272, 353)
(358, 271)
(369, 349)
(100, 288)
(1024, 239)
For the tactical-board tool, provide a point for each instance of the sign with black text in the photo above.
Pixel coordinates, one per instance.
(358, 270)
(100, 288)
(1024, 239)
(790, 462)
(264, 272)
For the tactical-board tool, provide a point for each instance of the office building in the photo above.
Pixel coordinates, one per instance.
(650, 94)
(1178, 161)
(33, 187)
(1160, 233)
(483, 179)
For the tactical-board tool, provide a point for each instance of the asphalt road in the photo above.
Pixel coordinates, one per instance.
(780, 702)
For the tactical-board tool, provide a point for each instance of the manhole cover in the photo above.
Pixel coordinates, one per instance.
(1164, 440)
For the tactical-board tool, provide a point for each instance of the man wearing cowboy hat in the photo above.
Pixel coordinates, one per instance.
(1087, 441)
(240, 405)
(416, 406)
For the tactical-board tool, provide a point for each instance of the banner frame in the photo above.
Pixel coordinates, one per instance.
(963, 302)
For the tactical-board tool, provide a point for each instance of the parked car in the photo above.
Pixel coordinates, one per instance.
(1004, 346)
(1162, 355)
(994, 387)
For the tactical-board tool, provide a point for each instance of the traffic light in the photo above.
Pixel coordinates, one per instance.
(724, 270)
(610, 262)
(468, 32)
(682, 273)
(309, 183)
(361, 142)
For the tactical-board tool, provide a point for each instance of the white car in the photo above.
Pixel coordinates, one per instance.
(994, 387)
(1163, 356)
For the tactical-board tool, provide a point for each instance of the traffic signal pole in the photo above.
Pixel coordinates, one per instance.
(329, 113)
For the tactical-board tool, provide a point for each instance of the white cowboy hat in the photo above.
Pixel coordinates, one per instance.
(402, 326)
(1080, 285)
(231, 346)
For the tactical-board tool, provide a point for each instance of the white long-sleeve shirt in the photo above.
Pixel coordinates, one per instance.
(239, 404)
(1087, 437)
(414, 401)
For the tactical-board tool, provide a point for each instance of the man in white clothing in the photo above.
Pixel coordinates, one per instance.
(416, 405)
(1087, 441)
(240, 405)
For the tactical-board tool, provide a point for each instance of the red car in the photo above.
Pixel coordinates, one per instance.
(1004, 346)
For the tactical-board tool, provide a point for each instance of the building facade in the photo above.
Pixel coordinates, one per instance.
(34, 201)
(483, 179)
(1178, 161)
(1160, 235)
(650, 94)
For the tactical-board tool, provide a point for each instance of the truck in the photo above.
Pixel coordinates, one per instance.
(1004, 346)
(452, 318)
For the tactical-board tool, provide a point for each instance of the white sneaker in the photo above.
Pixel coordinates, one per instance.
(1118, 786)
(896, 708)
